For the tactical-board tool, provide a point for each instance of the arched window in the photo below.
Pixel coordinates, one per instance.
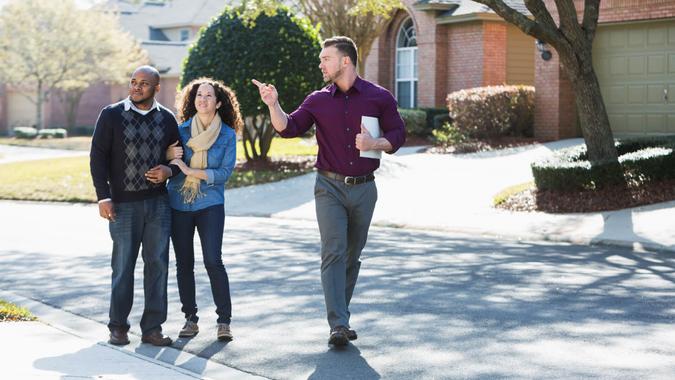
(406, 65)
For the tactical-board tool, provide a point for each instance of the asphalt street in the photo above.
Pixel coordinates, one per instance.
(427, 305)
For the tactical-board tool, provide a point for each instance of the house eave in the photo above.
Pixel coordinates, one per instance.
(433, 7)
(468, 18)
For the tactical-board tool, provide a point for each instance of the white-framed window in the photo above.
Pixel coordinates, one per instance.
(184, 34)
(406, 65)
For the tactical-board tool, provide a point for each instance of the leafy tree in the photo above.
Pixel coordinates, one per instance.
(279, 49)
(48, 45)
(361, 20)
(573, 41)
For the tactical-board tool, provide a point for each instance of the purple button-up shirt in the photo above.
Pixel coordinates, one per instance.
(337, 116)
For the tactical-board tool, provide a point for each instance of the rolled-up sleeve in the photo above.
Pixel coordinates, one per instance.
(391, 123)
(300, 120)
(220, 175)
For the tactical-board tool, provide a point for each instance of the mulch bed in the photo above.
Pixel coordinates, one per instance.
(612, 198)
(485, 145)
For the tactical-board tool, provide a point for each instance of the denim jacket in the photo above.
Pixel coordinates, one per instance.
(221, 158)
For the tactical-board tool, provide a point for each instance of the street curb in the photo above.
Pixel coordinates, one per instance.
(90, 330)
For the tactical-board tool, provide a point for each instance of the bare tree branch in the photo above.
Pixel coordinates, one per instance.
(542, 28)
(590, 21)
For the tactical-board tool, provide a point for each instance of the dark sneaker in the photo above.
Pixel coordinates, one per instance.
(224, 332)
(156, 338)
(338, 336)
(118, 337)
(189, 330)
(351, 334)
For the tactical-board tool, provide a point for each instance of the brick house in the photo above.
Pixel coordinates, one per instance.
(434, 47)
(461, 44)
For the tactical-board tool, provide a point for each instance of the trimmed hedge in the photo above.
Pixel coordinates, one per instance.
(25, 132)
(640, 160)
(415, 121)
(491, 111)
(54, 133)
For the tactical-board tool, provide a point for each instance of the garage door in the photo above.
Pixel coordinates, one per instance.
(635, 64)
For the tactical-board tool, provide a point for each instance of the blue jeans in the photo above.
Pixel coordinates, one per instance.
(145, 223)
(209, 223)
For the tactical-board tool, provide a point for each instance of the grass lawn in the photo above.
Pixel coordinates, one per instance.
(11, 312)
(280, 147)
(70, 143)
(68, 179)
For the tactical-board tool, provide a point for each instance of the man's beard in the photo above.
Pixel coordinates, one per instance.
(145, 100)
(334, 77)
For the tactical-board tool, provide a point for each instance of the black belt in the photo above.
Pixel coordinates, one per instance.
(348, 180)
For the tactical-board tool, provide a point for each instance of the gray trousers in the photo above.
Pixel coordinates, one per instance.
(344, 213)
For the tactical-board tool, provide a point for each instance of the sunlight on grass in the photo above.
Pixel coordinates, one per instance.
(70, 143)
(11, 312)
(509, 191)
(298, 146)
(68, 179)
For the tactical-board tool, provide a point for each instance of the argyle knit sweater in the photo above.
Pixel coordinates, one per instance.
(127, 144)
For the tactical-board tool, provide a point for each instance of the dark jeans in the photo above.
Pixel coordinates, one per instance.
(145, 223)
(209, 223)
(344, 213)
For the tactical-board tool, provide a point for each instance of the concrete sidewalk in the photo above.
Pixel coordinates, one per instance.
(62, 345)
(454, 193)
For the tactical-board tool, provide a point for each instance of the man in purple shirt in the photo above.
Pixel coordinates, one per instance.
(345, 191)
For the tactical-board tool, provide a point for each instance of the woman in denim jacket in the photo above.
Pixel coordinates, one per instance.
(209, 115)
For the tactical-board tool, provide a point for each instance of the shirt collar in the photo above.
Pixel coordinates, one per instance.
(358, 86)
(129, 105)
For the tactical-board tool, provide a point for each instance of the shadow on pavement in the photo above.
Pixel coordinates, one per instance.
(425, 304)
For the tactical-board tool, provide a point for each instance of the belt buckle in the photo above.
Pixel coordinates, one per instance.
(350, 180)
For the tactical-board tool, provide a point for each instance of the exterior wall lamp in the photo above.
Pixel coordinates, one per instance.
(541, 47)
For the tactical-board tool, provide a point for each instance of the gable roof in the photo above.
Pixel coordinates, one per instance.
(450, 8)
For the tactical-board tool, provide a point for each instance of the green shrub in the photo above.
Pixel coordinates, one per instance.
(25, 132)
(485, 112)
(415, 121)
(53, 133)
(640, 160)
(432, 117)
(649, 164)
(448, 135)
(281, 49)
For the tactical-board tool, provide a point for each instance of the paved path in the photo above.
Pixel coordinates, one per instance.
(428, 304)
(9, 153)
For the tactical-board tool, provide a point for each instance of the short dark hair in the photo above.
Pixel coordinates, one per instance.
(229, 106)
(344, 45)
(150, 70)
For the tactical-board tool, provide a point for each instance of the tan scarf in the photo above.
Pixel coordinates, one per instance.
(200, 141)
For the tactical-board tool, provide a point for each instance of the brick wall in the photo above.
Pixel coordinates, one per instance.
(4, 128)
(494, 53)
(465, 56)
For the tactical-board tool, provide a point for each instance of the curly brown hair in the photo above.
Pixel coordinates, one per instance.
(229, 106)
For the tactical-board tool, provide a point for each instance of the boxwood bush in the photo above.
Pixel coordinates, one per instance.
(640, 160)
(415, 121)
(25, 132)
(52, 133)
(491, 111)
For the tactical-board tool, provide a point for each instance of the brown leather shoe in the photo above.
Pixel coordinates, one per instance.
(118, 337)
(156, 338)
(351, 334)
(338, 336)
